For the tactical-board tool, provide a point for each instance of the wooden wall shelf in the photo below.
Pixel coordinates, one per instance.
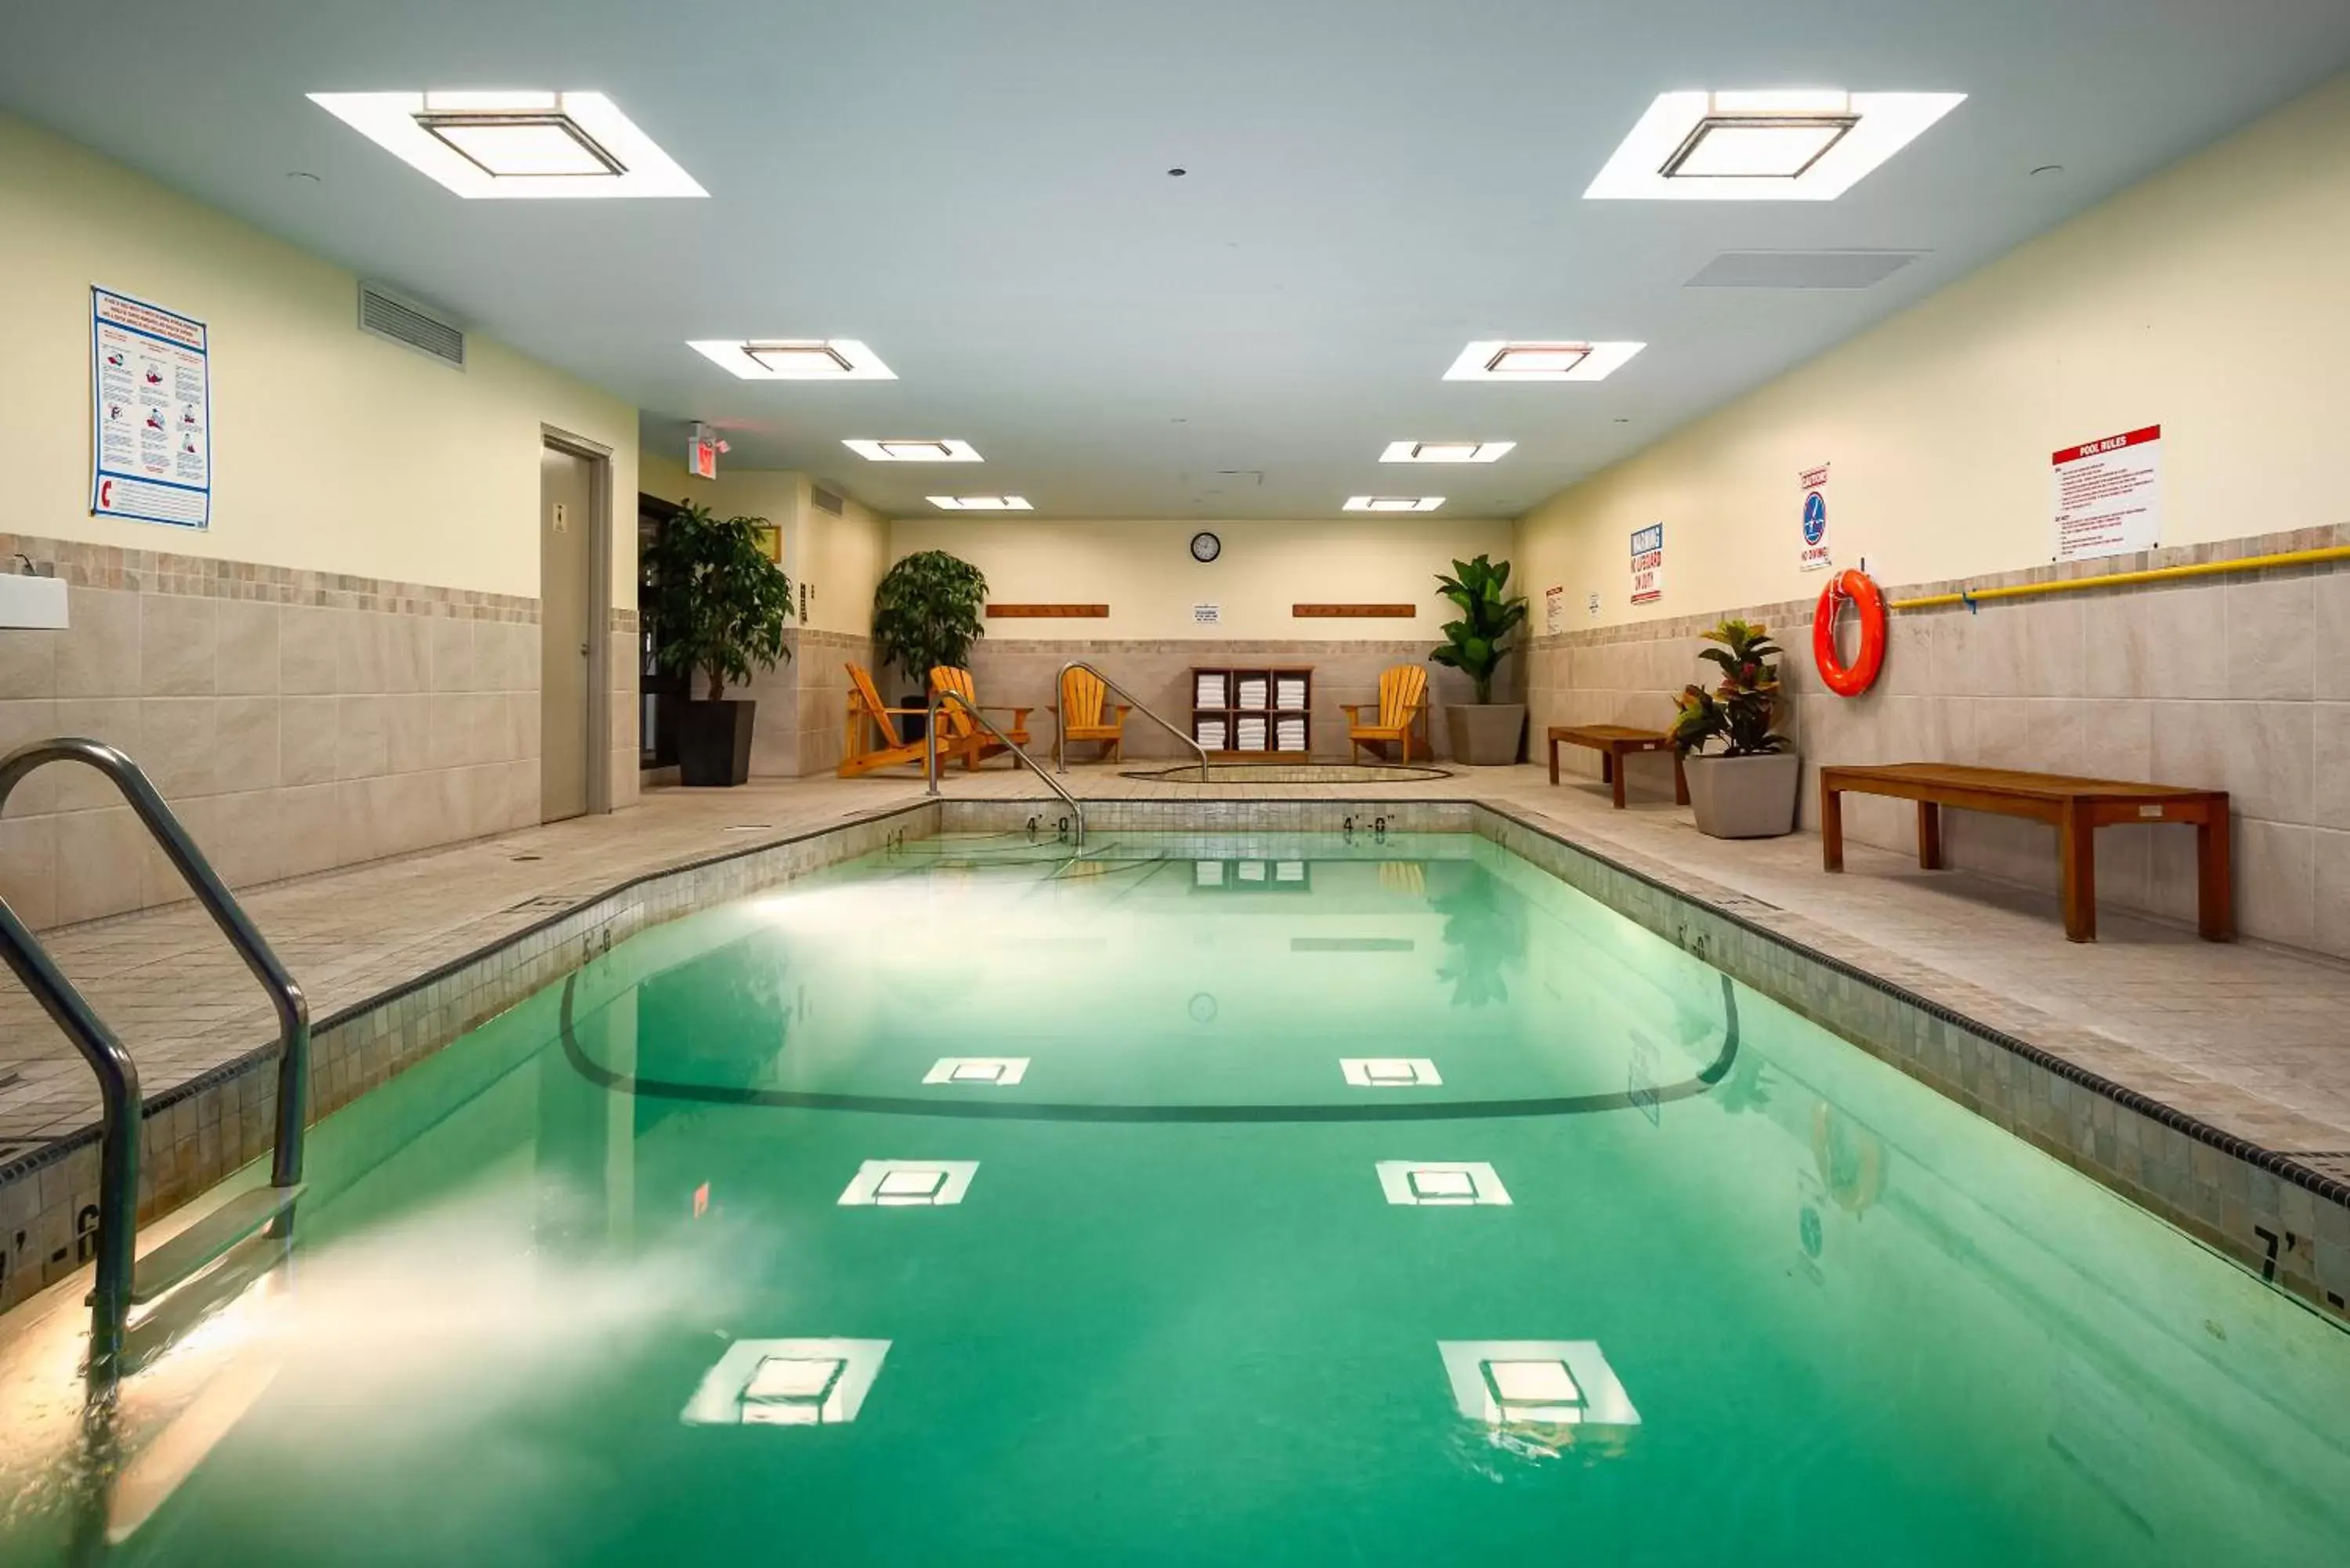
(1047, 612)
(1254, 712)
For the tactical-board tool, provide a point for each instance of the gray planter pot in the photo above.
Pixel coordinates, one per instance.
(1485, 735)
(1744, 797)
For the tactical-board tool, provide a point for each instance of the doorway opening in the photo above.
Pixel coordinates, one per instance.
(574, 663)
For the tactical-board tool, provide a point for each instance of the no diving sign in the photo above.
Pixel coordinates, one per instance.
(1815, 555)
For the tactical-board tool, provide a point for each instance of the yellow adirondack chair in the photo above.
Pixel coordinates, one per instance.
(1082, 698)
(1403, 701)
(959, 733)
(867, 715)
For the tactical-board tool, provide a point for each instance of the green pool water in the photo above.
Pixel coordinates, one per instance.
(584, 1289)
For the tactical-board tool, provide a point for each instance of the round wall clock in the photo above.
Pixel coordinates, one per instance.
(1206, 546)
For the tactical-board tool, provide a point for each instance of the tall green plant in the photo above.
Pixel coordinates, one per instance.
(718, 605)
(926, 613)
(1739, 711)
(1489, 614)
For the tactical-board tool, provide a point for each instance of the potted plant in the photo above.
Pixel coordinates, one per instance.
(926, 613)
(718, 606)
(1747, 790)
(1488, 732)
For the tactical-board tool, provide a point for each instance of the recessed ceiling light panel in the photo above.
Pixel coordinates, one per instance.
(1446, 451)
(515, 144)
(1500, 359)
(913, 450)
(1394, 503)
(981, 503)
(795, 359)
(1803, 145)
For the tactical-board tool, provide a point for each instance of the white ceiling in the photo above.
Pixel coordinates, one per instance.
(978, 191)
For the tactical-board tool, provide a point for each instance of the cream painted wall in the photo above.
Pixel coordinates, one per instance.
(332, 450)
(838, 558)
(1145, 573)
(2212, 299)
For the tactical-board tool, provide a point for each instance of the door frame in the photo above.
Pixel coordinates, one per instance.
(598, 458)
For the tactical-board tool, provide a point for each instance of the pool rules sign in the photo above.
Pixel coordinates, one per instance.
(2107, 495)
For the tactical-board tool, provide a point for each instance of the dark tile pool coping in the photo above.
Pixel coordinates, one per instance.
(2280, 1219)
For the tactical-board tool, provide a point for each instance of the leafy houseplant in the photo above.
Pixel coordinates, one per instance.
(1475, 645)
(925, 614)
(1747, 790)
(718, 607)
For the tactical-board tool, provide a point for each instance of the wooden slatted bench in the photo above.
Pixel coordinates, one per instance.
(1613, 742)
(2076, 807)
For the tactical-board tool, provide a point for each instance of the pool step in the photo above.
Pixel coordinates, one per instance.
(196, 1247)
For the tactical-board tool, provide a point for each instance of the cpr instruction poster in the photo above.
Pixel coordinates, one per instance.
(2108, 495)
(152, 415)
(1554, 608)
(1649, 564)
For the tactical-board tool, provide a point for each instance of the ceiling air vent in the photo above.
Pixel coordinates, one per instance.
(1802, 269)
(826, 500)
(386, 315)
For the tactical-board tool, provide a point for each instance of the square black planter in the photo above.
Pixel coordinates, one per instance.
(714, 742)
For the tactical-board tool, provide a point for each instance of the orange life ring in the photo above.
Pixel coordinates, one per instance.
(1862, 673)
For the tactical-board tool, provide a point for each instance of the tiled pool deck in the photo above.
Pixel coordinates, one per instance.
(2246, 1038)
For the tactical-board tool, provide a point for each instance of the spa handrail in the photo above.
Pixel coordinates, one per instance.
(1061, 686)
(931, 755)
(117, 1076)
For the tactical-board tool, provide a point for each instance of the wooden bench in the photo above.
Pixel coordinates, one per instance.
(2077, 808)
(1613, 742)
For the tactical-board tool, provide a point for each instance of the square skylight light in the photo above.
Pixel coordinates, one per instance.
(1540, 359)
(1779, 145)
(1390, 1072)
(1541, 1382)
(1446, 451)
(1441, 1184)
(980, 503)
(913, 450)
(1755, 146)
(794, 359)
(909, 1183)
(1394, 503)
(506, 146)
(788, 1383)
(515, 144)
(1002, 1071)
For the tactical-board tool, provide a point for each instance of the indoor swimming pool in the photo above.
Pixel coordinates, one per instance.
(1294, 1199)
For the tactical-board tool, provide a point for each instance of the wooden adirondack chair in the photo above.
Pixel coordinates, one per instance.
(959, 733)
(1083, 697)
(1403, 701)
(867, 714)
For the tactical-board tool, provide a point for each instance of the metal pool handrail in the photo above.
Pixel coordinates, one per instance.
(1061, 689)
(117, 1076)
(930, 756)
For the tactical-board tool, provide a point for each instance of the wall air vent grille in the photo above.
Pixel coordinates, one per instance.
(826, 500)
(386, 315)
(1802, 269)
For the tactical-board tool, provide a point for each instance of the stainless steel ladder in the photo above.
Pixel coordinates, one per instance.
(123, 1277)
(1060, 745)
(930, 757)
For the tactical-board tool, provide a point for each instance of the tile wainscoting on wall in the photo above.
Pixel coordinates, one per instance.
(295, 719)
(2213, 682)
(802, 702)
